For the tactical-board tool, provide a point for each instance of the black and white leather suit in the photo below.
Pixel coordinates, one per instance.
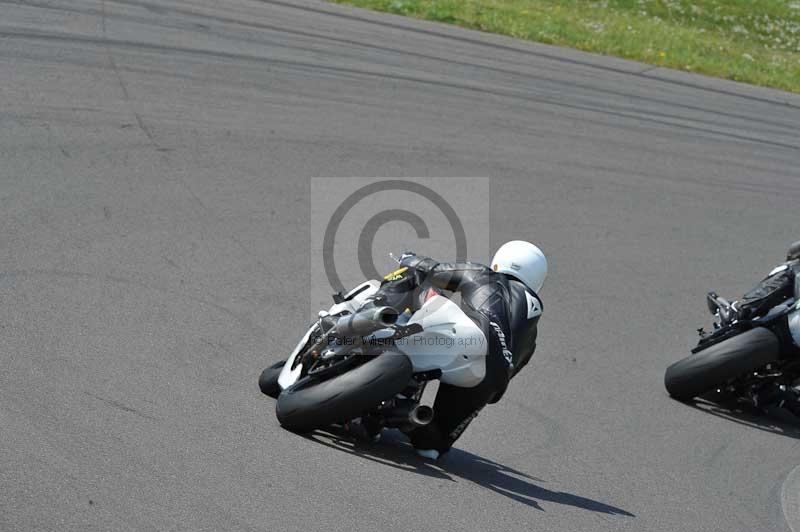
(506, 311)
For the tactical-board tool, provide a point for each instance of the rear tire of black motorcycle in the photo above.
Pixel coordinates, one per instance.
(713, 367)
(268, 381)
(344, 397)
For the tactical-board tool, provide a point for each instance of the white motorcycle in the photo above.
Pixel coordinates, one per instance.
(375, 362)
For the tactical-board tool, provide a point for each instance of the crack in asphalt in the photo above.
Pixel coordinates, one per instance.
(122, 84)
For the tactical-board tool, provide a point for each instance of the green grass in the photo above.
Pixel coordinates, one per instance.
(754, 41)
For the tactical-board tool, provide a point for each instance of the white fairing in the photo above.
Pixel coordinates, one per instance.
(450, 341)
(794, 317)
(288, 375)
(778, 269)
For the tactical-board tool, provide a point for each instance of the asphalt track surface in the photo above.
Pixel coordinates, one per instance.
(154, 214)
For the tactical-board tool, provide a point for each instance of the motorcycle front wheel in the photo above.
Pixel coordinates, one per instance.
(268, 380)
(713, 367)
(309, 405)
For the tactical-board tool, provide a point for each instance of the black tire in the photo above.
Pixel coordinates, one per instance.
(268, 381)
(712, 367)
(302, 408)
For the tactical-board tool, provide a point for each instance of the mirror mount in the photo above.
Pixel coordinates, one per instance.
(711, 301)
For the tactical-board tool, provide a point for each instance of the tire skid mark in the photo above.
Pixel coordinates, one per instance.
(499, 70)
(643, 73)
(507, 93)
(784, 128)
(120, 406)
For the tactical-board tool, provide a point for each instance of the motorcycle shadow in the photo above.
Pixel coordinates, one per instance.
(775, 421)
(394, 450)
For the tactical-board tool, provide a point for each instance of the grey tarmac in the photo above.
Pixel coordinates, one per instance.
(154, 209)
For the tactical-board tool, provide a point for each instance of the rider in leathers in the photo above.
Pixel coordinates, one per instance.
(778, 286)
(506, 310)
(773, 290)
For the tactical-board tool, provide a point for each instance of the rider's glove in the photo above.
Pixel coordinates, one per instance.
(413, 261)
(406, 258)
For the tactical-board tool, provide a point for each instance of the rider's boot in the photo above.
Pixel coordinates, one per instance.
(364, 429)
(430, 454)
(428, 441)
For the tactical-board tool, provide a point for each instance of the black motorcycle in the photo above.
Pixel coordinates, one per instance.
(757, 360)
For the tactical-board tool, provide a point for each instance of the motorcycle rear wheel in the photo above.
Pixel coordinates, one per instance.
(720, 363)
(307, 405)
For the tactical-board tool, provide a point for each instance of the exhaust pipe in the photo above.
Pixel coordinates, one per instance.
(366, 321)
(420, 415)
(417, 416)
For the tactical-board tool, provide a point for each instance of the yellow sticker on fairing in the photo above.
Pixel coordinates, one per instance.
(395, 275)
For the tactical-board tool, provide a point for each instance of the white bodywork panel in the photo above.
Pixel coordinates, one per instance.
(778, 269)
(288, 375)
(794, 317)
(450, 340)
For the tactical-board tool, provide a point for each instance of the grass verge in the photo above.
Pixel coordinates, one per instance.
(754, 41)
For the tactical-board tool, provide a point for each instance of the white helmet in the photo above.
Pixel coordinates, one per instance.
(522, 260)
